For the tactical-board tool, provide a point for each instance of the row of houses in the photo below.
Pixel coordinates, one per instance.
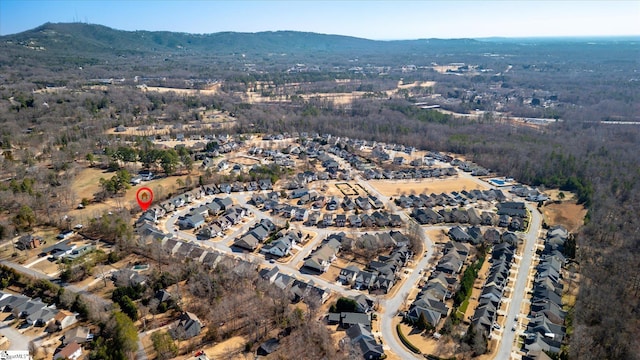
(166, 207)
(475, 235)
(468, 216)
(322, 257)
(296, 289)
(430, 303)
(35, 312)
(380, 275)
(455, 198)
(256, 235)
(416, 173)
(470, 167)
(486, 313)
(528, 193)
(546, 331)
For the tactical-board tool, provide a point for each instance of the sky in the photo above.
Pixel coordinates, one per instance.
(377, 20)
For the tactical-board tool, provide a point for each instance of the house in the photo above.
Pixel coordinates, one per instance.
(188, 326)
(298, 193)
(341, 220)
(348, 275)
(363, 203)
(268, 347)
(512, 209)
(364, 280)
(163, 295)
(64, 235)
(320, 260)
(431, 315)
(458, 234)
(192, 221)
(63, 319)
(29, 241)
(370, 349)
(279, 248)
(76, 335)
(358, 332)
(72, 351)
(27, 308)
(364, 304)
(247, 241)
(349, 319)
(265, 184)
(355, 220)
(79, 251)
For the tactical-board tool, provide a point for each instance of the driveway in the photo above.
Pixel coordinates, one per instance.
(17, 341)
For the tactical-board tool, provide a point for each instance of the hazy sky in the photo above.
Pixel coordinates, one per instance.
(381, 20)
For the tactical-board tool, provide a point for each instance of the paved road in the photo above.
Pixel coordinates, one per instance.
(38, 275)
(392, 305)
(17, 341)
(506, 350)
(26, 271)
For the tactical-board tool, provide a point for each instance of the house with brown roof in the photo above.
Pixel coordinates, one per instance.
(72, 351)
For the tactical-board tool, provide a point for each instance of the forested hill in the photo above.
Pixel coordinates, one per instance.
(80, 38)
(74, 43)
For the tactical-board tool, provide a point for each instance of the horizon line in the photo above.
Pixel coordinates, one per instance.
(490, 37)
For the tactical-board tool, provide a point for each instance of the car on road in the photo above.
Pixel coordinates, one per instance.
(495, 326)
(513, 328)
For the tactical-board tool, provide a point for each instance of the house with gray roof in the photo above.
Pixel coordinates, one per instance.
(188, 326)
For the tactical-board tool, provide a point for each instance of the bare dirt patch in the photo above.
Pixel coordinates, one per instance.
(438, 235)
(211, 90)
(404, 187)
(568, 214)
(228, 349)
(244, 160)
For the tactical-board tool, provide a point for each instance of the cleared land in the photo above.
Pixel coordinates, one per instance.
(87, 183)
(568, 214)
(405, 187)
(211, 90)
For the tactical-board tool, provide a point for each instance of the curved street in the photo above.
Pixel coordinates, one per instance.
(389, 306)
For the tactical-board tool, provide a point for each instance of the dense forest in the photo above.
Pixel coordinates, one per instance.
(585, 85)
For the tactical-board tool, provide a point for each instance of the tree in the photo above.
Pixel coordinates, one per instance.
(25, 218)
(169, 161)
(344, 304)
(91, 159)
(164, 345)
(118, 339)
(129, 308)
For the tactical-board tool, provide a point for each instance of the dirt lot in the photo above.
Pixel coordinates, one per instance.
(568, 214)
(244, 160)
(438, 235)
(212, 90)
(424, 186)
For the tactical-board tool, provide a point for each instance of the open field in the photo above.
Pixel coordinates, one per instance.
(343, 98)
(87, 183)
(211, 90)
(568, 214)
(400, 187)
